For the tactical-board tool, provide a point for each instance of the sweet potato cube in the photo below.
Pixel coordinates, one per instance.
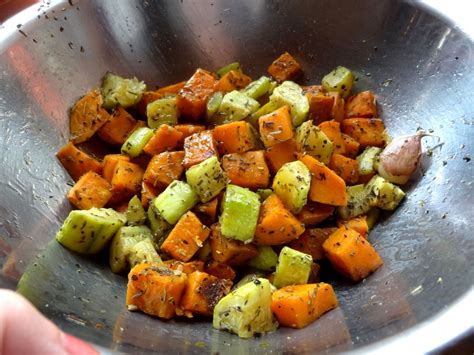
(108, 165)
(280, 154)
(285, 67)
(87, 116)
(202, 293)
(91, 190)
(116, 130)
(207, 211)
(296, 306)
(276, 225)
(311, 241)
(164, 168)
(155, 290)
(276, 127)
(358, 224)
(332, 129)
(198, 147)
(233, 80)
(187, 268)
(186, 237)
(326, 186)
(320, 106)
(351, 146)
(247, 169)
(338, 112)
(192, 98)
(366, 131)
(361, 105)
(346, 168)
(230, 251)
(148, 193)
(220, 270)
(235, 137)
(126, 181)
(165, 138)
(77, 162)
(314, 213)
(188, 130)
(351, 254)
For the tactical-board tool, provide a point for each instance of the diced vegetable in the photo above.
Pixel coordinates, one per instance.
(186, 238)
(88, 232)
(311, 242)
(351, 254)
(314, 213)
(276, 127)
(135, 213)
(135, 143)
(164, 168)
(311, 140)
(188, 130)
(91, 190)
(293, 268)
(87, 116)
(220, 270)
(269, 107)
(207, 211)
(248, 169)
(368, 160)
(159, 227)
(285, 67)
(361, 105)
(338, 111)
(143, 252)
(249, 278)
(276, 225)
(148, 193)
(326, 186)
(291, 94)
(108, 165)
(175, 201)
(366, 131)
(359, 201)
(257, 88)
(280, 154)
(116, 130)
(76, 162)
(387, 195)
(240, 209)
(122, 243)
(188, 268)
(292, 184)
(332, 130)
(346, 168)
(126, 181)
(339, 80)
(299, 305)
(227, 68)
(351, 146)
(266, 259)
(207, 178)
(246, 310)
(320, 106)
(192, 98)
(199, 147)
(203, 292)
(213, 104)
(235, 106)
(162, 111)
(358, 224)
(164, 138)
(235, 137)
(233, 80)
(120, 91)
(155, 290)
(264, 193)
(229, 251)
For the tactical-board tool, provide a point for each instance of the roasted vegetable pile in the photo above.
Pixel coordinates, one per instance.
(223, 193)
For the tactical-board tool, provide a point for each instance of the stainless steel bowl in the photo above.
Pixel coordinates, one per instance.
(418, 62)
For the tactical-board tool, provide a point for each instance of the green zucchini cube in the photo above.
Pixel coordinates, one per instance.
(387, 195)
(135, 143)
(291, 94)
(89, 231)
(240, 209)
(162, 111)
(207, 178)
(235, 106)
(266, 258)
(339, 80)
(143, 252)
(291, 184)
(177, 199)
(311, 140)
(293, 268)
(135, 212)
(120, 91)
(257, 88)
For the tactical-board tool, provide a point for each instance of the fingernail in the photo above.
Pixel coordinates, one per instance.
(76, 346)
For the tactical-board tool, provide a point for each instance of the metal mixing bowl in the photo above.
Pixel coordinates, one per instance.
(419, 63)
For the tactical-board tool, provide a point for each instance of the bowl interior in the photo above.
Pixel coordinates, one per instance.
(419, 65)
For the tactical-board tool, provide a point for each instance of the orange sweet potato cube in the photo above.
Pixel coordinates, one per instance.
(235, 137)
(198, 148)
(248, 169)
(361, 105)
(91, 190)
(276, 127)
(285, 67)
(280, 154)
(230, 251)
(164, 168)
(366, 131)
(165, 138)
(116, 130)
(192, 98)
(185, 239)
(77, 162)
(126, 181)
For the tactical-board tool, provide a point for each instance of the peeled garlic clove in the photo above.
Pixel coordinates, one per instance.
(400, 159)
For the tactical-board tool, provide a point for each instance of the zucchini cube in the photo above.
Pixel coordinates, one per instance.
(291, 94)
(293, 268)
(162, 111)
(235, 106)
(311, 140)
(207, 178)
(177, 199)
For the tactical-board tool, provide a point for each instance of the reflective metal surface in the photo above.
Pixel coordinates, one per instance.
(419, 64)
